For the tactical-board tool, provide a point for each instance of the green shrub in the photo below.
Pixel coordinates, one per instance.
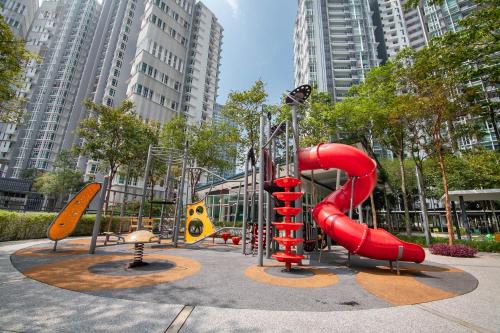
(32, 225)
(480, 244)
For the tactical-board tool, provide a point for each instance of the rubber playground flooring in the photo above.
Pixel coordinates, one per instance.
(219, 275)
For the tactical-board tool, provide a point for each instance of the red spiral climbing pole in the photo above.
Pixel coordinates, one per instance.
(288, 257)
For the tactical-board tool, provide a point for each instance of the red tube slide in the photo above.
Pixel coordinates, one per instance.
(329, 213)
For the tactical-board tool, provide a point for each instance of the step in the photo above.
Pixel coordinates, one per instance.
(292, 258)
(287, 182)
(287, 211)
(287, 196)
(288, 241)
(288, 226)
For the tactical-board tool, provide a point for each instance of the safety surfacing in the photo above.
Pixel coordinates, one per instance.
(220, 276)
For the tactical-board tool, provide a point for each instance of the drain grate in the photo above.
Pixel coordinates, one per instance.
(350, 303)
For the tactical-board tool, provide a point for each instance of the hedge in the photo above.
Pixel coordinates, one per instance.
(480, 245)
(19, 226)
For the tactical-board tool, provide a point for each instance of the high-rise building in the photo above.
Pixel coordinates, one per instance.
(154, 52)
(108, 67)
(446, 16)
(203, 68)
(400, 27)
(61, 34)
(19, 15)
(157, 77)
(334, 44)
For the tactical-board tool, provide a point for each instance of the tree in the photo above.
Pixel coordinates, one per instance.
(473, 52)
(211, 146)
(244, 109)
(63, 180)
(13, 57)
(438, 101)
(113, 136)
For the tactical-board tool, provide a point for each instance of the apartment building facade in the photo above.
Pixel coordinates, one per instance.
(334, 44)
(19, 15)
(61, 34)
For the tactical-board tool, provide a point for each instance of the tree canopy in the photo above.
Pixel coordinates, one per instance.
(13, 58)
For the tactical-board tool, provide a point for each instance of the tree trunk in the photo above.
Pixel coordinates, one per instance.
(405, 196)
(108, 191)
(446, 197)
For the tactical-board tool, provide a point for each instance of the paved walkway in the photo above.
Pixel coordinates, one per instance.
(30, 306)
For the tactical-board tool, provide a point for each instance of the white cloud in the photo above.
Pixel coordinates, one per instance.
(235, 7)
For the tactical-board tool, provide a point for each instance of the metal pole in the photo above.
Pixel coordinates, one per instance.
(425, 216)
(360, 211)
(178, 206)
(165, 194)
(237, 206)
(287, 149)
(269, 173)
(455, 220)
(296, 173)
(245, 206)
(353, 180)
(144, 189)
(98, 216)
(260, 211)
(465, 221)
(125, 198)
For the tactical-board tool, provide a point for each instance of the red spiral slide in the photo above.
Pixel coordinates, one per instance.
(329, 213)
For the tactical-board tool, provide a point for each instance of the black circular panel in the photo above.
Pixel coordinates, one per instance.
(195, 228)
(298, 95)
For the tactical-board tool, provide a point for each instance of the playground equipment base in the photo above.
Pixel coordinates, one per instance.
(219, 275)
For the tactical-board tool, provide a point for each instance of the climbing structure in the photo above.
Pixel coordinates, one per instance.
(288, 257)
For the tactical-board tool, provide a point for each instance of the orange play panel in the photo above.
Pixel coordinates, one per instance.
(66, 221)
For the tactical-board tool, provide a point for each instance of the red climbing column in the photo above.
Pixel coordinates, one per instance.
(288, 257)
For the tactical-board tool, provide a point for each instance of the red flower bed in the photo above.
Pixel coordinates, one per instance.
(452, 250)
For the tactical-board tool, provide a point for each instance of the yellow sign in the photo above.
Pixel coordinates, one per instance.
(66, 221)
(198, 224)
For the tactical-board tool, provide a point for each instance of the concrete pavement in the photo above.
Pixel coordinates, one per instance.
(30, 306)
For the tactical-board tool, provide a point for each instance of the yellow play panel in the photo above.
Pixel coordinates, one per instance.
(198, 224)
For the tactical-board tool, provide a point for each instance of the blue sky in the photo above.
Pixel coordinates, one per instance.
(257, 44)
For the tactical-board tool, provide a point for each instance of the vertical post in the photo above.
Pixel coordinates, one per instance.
(165, 194)
(423, 204)
(296, 173)
(98, 216)
(455, 220)
(494, 215)
(125, 198)
(260, 211)
(360, 217)
(245, 206)
(351, 205)
(144, 189)
(178, 203)
(237, 206)
(465, 221)
(287, 150)
(269, 173)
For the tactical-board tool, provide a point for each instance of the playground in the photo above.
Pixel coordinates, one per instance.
(299, 252)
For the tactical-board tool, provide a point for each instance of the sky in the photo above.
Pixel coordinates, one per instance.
(257, 44)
